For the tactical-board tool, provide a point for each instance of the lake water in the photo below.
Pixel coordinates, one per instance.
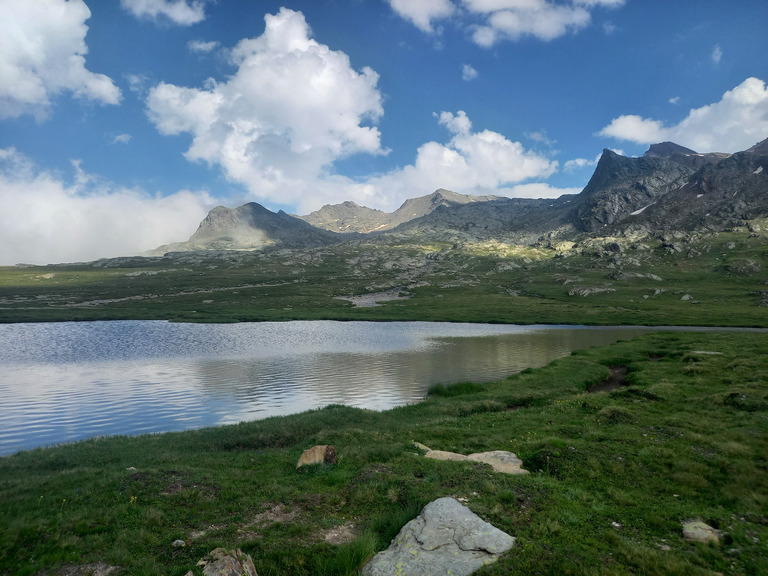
(61, 382)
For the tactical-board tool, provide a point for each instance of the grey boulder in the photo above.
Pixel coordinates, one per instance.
(446, 538)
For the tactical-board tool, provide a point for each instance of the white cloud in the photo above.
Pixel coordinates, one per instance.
(422, 12)
(635, 128)
(121, 139)
(293, 107)
(734, 123)
(468, 73)
(45, 221)
(482, 162)
(579, 163)
(674, 100)
(42, 54)
(201, 46)
(717, 54)
(181, 12)
(492, 21)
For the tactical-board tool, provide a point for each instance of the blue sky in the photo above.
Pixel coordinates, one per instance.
(122, 122)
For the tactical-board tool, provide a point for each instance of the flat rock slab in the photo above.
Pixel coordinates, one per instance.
(499, 460)
(446, 538)
(698, 531)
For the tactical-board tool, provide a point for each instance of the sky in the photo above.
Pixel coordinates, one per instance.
(122, 122)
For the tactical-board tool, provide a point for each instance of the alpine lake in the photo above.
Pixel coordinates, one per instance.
(68, 381)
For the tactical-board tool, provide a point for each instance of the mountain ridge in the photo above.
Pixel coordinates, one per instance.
(670, 187)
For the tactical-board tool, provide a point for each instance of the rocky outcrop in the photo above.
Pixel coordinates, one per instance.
(698, 531)
(222, 562)
(349, 217)
(251, 227)
(622, 186)
(446, 538)
(499, 460)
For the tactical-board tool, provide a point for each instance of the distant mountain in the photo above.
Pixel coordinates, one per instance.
(349, 217)
(251, 227)
(670, 187)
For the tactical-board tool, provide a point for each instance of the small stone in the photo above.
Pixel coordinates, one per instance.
(179, 544)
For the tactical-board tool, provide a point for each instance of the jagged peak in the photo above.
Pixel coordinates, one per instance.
(759, 148)
(666, 149)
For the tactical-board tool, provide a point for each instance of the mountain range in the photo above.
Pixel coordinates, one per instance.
(670, 188)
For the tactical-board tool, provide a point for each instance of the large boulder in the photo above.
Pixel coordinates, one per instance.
(446, 538)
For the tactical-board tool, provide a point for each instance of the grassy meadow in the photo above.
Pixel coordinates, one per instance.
(614, 473)
(714, 280)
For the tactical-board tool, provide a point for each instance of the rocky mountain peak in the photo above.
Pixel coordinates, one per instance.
(761, 148)
(668, 149)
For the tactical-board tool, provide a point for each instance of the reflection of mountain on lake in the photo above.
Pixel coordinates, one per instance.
(67, 381)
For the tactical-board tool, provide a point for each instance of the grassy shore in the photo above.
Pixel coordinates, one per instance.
(614, 474)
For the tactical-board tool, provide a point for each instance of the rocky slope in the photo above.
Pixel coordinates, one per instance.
(349, 217)
(251, 227)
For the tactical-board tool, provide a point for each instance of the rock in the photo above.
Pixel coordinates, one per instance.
(589, 291)
(446, 538)
(686, 297)
(499, 460)
(179, 544)
(698, 531)
(226, 563)
(320, 454)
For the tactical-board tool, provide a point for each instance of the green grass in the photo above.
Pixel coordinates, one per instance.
(613, 474)
(717, 280)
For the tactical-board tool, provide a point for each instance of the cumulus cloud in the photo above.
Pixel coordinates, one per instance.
(42, 55)
(292, 108)
(736, 122)
(422, 12)
(181, 12)
(45, 221)
(468, 73)
(492, 21)
(470, 162)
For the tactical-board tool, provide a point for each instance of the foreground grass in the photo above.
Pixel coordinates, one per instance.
(614, 473)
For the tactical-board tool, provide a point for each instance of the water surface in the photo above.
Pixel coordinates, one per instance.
(66, 381)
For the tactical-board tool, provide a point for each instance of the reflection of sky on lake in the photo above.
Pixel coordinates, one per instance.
(66, 381)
